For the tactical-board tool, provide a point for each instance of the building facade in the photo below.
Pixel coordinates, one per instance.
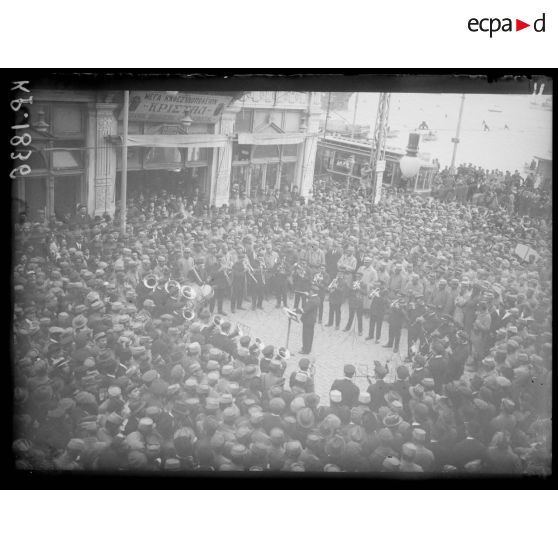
(258, 142)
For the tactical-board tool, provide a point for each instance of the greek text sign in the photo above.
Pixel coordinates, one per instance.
(159, 106)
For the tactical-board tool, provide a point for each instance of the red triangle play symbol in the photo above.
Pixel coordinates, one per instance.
(519, 25)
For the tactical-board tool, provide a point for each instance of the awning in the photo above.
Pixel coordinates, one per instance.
(176, 140)
(63, 159)
(270, 139)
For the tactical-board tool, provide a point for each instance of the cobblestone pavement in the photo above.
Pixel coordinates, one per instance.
(331, 349)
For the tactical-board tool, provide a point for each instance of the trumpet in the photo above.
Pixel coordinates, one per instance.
(333, 285)
(249, 269)
(226, 271)
(373, 293)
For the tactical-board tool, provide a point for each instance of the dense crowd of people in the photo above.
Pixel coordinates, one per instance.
(494, 189)
(116, 368)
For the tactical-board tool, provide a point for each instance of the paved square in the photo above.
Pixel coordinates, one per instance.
(331, 349)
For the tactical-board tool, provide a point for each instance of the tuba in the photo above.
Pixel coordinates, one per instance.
(188, 314)
(173, 286)
(188, 292)
(151, 281)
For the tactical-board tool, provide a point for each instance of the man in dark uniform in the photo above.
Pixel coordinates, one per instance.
(256, 285)
(322, 281)
(220, 282)
(378, 308)
(348, 390)
(308, 319)
(356, 302)
(238, 285)
(301, 284)
(280, 281)
(336, 296)
(437, 365)
(415, 309)
(459, 355)
(396, 318)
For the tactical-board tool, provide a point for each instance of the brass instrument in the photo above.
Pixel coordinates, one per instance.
(281, 265)
(249, 269)
(197, 274)
(305, 293)
(226, 271)
(188, 315)
(333, 285)
(373, 293)
(176, 287)
(356, 285)
(262, 268)
(188, 292)
(151, 281)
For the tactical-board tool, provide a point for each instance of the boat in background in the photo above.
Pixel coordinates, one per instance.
(495, 108)
(431, 135)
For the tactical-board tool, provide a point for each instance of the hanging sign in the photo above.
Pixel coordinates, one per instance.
(159, 106)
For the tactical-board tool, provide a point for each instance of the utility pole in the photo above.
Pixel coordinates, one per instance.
(327, 113)
(378, 151)
(455, 140)
(354, 117)
(124, 173)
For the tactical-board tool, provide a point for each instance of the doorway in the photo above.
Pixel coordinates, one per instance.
(35, 196)
(66, 195)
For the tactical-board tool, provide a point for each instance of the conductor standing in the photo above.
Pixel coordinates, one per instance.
(308, 319)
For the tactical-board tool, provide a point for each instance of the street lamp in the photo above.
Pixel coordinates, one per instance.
(410, 164)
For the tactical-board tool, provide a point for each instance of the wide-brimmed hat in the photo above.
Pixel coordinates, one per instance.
(305, 418)
(392, 420)
(417, 392)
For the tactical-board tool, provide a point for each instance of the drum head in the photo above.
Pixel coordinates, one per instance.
(207, 291)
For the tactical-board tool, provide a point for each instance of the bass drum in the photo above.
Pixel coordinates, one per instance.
(206, 292)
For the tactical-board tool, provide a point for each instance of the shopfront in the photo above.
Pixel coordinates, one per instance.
(56, 183)
(261, 170)
(172, 167)
(179, 142)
